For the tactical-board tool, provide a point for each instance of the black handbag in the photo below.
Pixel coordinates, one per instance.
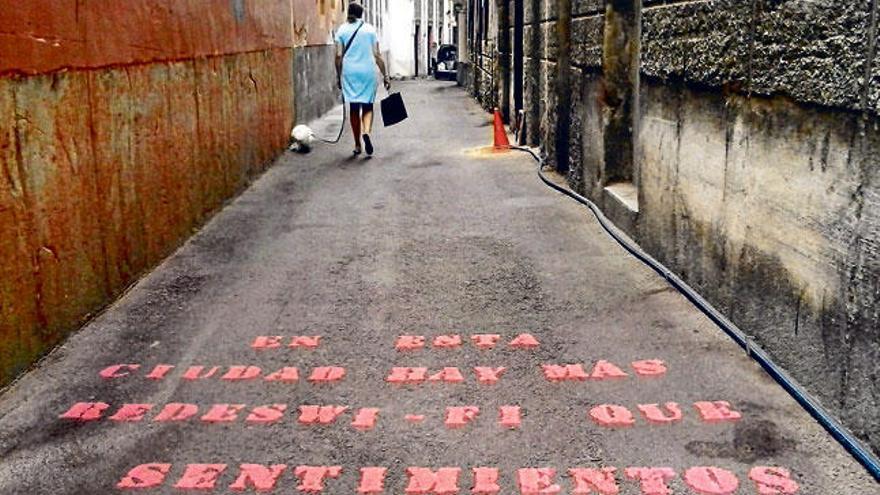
(393, 109)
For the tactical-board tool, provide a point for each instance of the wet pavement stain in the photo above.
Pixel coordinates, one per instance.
(752, 442)
(487, 152)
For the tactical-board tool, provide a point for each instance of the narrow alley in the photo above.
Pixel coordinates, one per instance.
(432, 320)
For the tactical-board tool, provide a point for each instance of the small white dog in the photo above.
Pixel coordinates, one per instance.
(301, 139)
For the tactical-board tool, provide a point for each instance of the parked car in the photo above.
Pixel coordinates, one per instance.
(446, 64)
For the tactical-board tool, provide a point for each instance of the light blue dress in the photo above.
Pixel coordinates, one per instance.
(359, 80)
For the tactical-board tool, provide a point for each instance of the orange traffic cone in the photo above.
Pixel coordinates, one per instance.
(501, 142)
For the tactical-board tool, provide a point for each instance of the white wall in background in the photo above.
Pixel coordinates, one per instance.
(398, 33)
(398, 36)
(429, 34)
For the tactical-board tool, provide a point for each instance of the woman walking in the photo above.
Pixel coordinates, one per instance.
(357, 55)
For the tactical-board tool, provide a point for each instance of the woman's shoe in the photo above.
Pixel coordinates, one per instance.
(356, 152)
(368, 145)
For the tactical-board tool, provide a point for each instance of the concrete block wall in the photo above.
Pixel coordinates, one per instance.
(757, 177)
(123, 126)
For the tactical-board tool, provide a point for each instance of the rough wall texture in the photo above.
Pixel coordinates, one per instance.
(314, 81)
(39, 36)
(814, 51)
(541, 91)
(162, 112)
(771, 210)
(314, 20)
(314, 70)
(757, 153)
(762, 188)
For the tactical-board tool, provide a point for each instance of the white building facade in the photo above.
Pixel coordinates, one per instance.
(411, 31)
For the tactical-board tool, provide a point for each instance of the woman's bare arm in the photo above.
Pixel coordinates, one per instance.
(381, 63)
(339, 65)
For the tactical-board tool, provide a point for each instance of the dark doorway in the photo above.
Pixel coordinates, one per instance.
(416, 47)
(518, 55)
(505, 57)
(471, 29)
(429, 52)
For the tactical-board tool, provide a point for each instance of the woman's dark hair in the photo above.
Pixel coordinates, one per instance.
(355, 10)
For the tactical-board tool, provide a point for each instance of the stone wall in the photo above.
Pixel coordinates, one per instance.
(123, 126)
(540, 82)
(815, 51)
(756, 168)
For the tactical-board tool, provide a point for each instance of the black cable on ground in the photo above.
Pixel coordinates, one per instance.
(812, 406)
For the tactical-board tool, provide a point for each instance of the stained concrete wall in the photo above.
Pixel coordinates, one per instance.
(123, 126)
(757, 169)
(759, 150)
(314, 81)
(40, 36)
(314, 20)
(772, 211)
(399, 32)
(314, 54)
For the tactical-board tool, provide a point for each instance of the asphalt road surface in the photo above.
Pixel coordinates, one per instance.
(427, 239)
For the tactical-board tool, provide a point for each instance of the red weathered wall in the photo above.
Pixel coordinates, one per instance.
(38, 36)
(165, 109)
(314, 20)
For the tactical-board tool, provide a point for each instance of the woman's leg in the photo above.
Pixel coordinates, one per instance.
(354, 117)
(367, 126)
(368, 118)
